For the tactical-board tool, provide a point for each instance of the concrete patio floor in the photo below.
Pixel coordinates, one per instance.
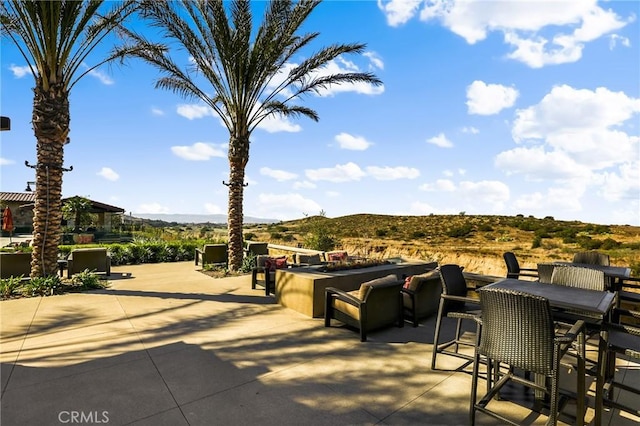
(168, 345)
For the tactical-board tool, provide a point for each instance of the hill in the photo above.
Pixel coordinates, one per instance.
(476, 242)
(187, 219)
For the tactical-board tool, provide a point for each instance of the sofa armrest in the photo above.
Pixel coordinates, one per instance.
(336, 293)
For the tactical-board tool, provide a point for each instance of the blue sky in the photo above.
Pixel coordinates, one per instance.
(487, 107)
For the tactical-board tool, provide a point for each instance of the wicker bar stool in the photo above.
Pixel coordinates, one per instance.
(517, 330)
(454, 303)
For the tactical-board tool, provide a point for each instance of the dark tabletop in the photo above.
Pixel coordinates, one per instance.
(564, 297)
(609, 271)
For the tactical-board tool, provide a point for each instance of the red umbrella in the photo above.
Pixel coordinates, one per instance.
(7, 221)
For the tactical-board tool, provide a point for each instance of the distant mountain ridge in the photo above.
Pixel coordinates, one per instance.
(198, 218)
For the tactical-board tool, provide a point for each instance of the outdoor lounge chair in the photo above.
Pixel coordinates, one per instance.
(96, 260)
(376, 304)
(264, 273)
(15, 264)
(302, 259)
(212, 253)
(517, 330)
(421, 296)
(256, 249)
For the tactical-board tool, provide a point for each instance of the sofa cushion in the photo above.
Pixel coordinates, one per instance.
(365, 287)
(273, 263)
(337, 256)
(311, 259)
(417, 280)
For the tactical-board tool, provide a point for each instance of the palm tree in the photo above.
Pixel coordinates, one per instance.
(78, 209)
(246, 70)
(55, 38)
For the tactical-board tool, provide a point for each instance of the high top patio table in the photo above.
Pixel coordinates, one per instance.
(599, 303)
(564, 297)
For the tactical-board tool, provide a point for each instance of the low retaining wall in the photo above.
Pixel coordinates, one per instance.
(303, 289)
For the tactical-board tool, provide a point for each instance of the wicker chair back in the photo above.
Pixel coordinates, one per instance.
(592, 258)
(517, 329)
(575, 276)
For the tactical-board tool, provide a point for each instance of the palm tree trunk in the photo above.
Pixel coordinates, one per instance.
(51, 127)
(238, 158)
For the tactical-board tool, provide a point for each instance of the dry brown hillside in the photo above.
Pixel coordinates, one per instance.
(475, 242)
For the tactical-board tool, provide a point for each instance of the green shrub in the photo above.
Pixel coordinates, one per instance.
(87, 280)
(288, 238)
(537, 242)
(460, 231)
(275, 235)
(418, 234)
(8, 286)
(588, 243)
(610, 244)
(249, 236)
(381, 232)
(42, 286)
(319, 237)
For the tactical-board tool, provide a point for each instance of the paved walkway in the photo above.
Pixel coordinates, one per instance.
(167, 345)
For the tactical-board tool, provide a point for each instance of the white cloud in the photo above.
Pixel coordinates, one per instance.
(537, 164)
(108, 174)
(490, 194)
(20, 71)
(285, 206)
(211, 208)
(540, 32)
(6, 161)
(441, 141)
(339, 173)
(493, 193)
(304, 184)
(102, 77)
(279, 175)
(199, 151)
(622, 184)
(355, 143)
(157, 111)
(398, 11)
(332, 194)
(470, 129)
(489, 99)
(565, 198)
(614, 39)
(375, 59)
(393, 173)
(444, 185)
(278, 123)
(193, 111)
(584, 124)
(152, 208)
(419, 208)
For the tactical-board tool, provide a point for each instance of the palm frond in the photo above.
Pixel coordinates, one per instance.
(56, 37)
